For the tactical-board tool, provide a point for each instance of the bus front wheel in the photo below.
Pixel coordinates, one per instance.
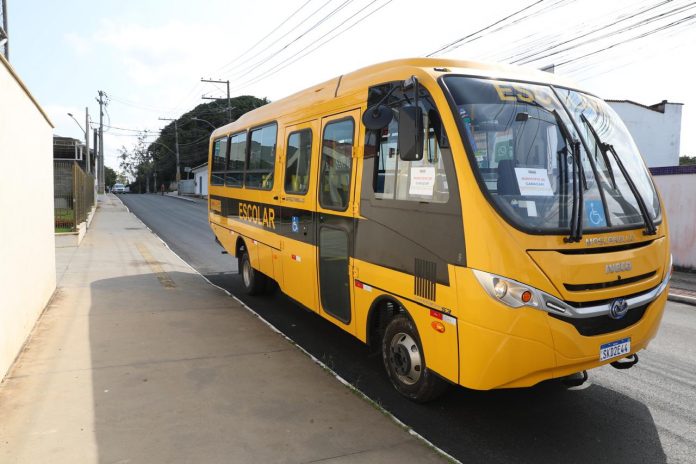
(403, 358)
(254, 281)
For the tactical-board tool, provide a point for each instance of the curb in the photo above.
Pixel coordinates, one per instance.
(682, 299)
(180, 198)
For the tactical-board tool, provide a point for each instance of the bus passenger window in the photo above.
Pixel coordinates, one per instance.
(298, 154)
(235, 166)
(217, 173)
(259, 173)
(336, 162)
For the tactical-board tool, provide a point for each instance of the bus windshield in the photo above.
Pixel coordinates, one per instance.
(534, 165)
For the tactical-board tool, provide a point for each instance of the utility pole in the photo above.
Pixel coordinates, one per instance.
(100, 162)
(176, 142)
(87, 157)
(95, 137)
(229, 107)
(4, 37)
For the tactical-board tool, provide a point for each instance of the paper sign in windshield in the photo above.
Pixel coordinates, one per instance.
(534, 182)
(422, 181)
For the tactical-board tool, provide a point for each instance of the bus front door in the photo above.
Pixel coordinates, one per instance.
(299, 252)
(335, 217)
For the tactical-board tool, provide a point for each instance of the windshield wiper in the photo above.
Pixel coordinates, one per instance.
(650, 228)
(578, 190)
(602, 148)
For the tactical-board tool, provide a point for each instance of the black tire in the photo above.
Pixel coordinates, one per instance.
(402, 354)
(255, 283)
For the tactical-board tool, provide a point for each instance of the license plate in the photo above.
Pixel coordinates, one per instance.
(615, 349)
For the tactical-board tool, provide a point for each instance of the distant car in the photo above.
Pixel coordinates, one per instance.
(118, 188)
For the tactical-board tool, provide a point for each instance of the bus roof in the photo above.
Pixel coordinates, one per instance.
(382, 72)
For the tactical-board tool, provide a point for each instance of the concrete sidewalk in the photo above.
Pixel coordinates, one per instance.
(139, 360)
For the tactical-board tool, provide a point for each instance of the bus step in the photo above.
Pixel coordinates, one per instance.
(575, 380)
(626, 363)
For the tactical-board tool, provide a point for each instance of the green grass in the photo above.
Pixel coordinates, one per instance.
(64, 219)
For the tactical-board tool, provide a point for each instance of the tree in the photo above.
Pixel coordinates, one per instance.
(109, 176)
(194, 135)
(687, 160)
(137, 163)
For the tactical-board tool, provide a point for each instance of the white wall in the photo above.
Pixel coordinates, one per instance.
(656, 134)
(678, 193)
(27, 252)
(201, 176)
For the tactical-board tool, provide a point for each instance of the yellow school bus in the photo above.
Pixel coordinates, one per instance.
(482, 225)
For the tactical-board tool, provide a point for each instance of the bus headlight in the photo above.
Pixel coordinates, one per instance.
(508, 291)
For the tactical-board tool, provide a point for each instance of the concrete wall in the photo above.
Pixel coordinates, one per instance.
(27, 254)
(201, 177)
(656, 130)
(679, 194)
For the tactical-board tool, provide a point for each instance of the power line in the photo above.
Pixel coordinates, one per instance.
(264, 60)
(276, 69)
(631, 39)
(544, 41)
(125, 102)
(127, 129)
(622, 30)
(445, 47)
(282, 23)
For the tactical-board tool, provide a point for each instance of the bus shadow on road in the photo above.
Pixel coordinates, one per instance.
(545, 423)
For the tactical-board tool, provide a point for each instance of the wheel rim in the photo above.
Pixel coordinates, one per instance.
(246, 273)
(405, 358)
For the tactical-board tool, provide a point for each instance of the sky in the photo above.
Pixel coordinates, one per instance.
(149, 55)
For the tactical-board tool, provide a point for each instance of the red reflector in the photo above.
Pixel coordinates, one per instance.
(526, 296)
(436, 314)
(358, 284)
(438, 326)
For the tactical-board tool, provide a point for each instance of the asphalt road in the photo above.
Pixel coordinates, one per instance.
(643, 415)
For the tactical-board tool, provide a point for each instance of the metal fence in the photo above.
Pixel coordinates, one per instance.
(73, 195)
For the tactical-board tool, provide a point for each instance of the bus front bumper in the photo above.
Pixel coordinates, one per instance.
(503, 347)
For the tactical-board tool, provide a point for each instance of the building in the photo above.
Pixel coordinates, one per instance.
(655, 128)
(70, 149)
(27, 246)
(200, 175)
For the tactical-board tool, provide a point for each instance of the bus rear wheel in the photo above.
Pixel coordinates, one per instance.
(402, 354)
(253, 280)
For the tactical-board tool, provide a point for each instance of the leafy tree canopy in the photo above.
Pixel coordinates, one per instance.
(687, 160)
(194, 135)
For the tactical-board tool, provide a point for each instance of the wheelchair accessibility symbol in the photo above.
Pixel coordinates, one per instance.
(594, 213)
(295, 224)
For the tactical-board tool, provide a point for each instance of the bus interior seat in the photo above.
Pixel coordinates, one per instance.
(507, 181)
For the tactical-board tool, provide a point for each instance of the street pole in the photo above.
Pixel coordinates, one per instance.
(87, 157)
(176, 142)
(5, 33)
(229, 105)
(100, 168)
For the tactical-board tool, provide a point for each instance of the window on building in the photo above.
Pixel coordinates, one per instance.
(235, 166)
(336, 163)
(217, 173)
(298, 156)
(262, 147)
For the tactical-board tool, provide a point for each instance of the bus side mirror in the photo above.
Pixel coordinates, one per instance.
(410, 133)
(377, 117)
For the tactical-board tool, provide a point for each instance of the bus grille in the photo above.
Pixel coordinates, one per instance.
(614, 283)
(425, 277)
(599, 325)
